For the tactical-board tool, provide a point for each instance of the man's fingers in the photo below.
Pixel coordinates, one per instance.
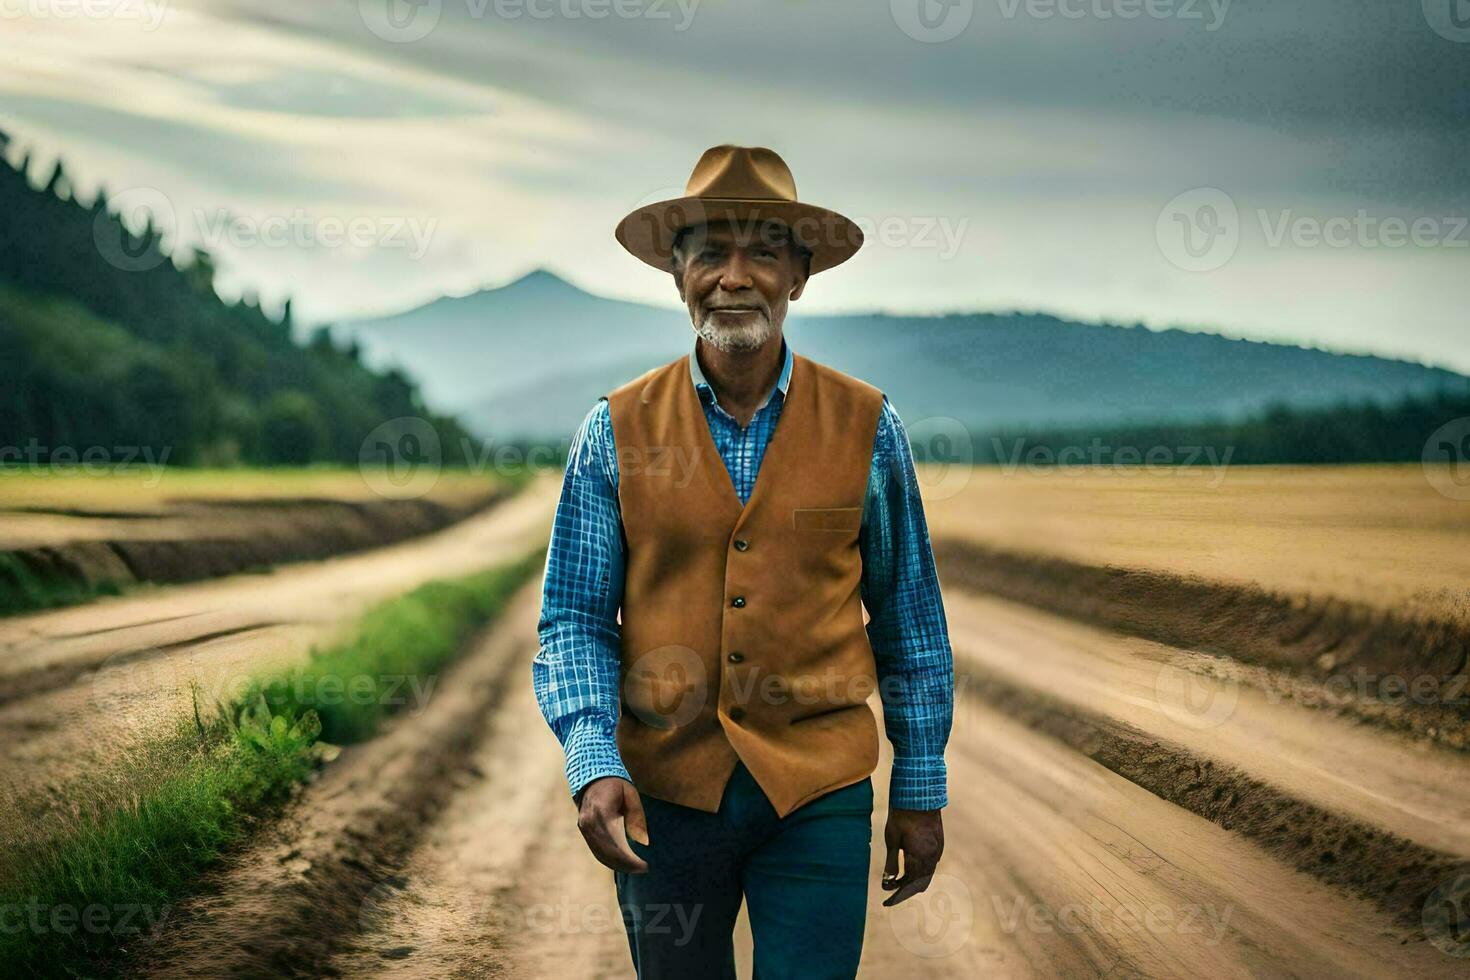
(918, 871)
(637, 823)
(617, 833)
(605, 837)
(610, 847)
(890, 868)
(908, 887)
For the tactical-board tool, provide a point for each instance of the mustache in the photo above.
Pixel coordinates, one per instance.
(749, 305)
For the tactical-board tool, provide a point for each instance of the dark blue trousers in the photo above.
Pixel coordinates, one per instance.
(805, 878)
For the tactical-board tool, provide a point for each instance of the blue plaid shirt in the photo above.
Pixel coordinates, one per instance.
(576, 672)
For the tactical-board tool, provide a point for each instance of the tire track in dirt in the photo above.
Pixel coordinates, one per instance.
(282, 907)
(1055, 866)
(50, 678)
(503, 884)
(1212, 708)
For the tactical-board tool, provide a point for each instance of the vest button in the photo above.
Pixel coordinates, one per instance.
(738, 602)
(736, 713)
(736, 656)
(741, 544)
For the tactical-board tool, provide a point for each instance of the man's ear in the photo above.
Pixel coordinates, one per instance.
(678, 272)
(800, 285)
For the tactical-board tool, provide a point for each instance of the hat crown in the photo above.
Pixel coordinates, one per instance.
(744, 184)
(745, 172)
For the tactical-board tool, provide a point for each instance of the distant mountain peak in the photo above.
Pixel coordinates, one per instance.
(536, 287)
(541, 280)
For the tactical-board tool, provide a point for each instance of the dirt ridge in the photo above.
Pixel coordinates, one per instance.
(259, 535)
(1393, 873)
(1321, 638)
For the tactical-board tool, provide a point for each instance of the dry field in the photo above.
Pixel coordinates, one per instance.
(38, 508)
(1380, 535)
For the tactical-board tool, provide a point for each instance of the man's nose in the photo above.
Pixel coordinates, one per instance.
(735, 275)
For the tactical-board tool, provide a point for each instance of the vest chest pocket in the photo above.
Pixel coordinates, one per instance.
(827, 518)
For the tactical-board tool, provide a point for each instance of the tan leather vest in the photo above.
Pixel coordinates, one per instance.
(742, 627)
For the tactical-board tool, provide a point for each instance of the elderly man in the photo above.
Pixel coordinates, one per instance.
(704, 660)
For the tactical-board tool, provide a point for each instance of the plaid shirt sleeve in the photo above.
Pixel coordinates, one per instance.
(906, 628)
(575, 673)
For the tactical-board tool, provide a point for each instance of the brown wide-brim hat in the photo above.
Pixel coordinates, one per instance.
(744, 185)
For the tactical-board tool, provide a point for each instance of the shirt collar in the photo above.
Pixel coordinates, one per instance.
(702, 385)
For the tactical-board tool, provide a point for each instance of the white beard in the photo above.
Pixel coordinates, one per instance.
(749, 336)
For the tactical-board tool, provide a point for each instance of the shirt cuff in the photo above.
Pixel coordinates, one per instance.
(592, 752)
(918, 783)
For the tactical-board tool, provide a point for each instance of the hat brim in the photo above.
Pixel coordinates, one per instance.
(648, 232)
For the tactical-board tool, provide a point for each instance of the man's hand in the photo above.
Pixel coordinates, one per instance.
(919, 834)
(606, 806)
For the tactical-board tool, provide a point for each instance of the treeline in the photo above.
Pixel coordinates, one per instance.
(1349, 433)
(107, 341)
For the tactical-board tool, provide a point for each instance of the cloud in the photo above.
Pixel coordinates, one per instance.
(1052, 132)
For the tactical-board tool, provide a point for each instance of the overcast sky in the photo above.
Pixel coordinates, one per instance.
(1297, 171)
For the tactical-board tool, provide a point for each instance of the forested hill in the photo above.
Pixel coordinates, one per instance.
(106, 342)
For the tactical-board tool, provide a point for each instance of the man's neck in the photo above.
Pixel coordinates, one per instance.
(741, 379)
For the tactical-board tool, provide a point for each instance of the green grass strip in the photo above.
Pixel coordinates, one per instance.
(396, 656)
(88, 880)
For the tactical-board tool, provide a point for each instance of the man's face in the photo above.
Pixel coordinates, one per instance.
(738, 286)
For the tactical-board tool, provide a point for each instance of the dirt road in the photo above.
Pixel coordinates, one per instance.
(467, 861)
(78, 682)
